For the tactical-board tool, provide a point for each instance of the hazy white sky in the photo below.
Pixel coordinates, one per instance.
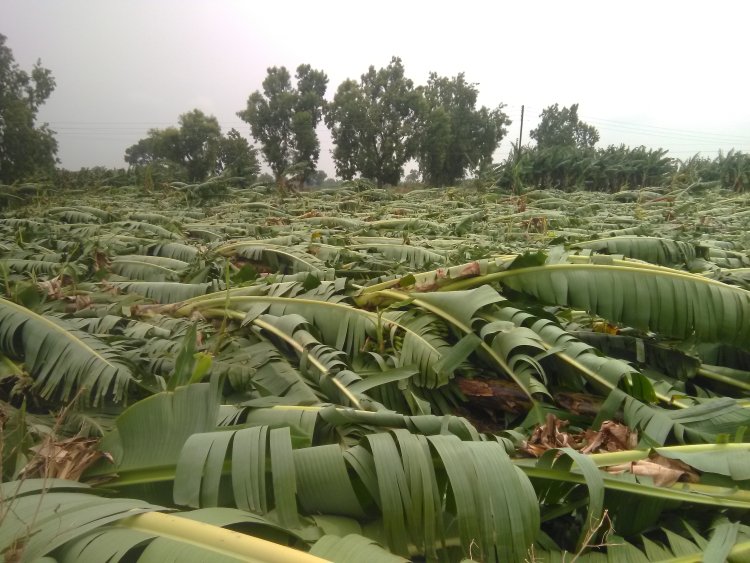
(658, 73)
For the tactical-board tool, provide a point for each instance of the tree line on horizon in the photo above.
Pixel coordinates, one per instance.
(378, 123)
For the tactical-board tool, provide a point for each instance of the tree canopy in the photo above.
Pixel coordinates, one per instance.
(200, 136)
(25, 147)
(456, 136)
(196, 146)
(236, 156)
(378, 123)
(562, 128)
(283, 118)
(374, 124)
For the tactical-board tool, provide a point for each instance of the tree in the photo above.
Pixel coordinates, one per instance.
(195, 146)
(374, 124)
(237, 157)
(317, 178)
(25, 148)
(199, 140)
(561, 127)
(413, 176)
(456, 136)
(265, 178)
(146, 150)
(283, 119)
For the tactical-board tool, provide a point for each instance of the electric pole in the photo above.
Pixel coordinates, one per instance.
(520, 136)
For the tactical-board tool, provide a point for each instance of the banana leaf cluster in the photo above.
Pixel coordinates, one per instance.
(375, 375)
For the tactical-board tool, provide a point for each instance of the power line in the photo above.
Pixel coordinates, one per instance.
(653, 129)
(605, 124)
(125, 123)
(614, 122)
(678, 136)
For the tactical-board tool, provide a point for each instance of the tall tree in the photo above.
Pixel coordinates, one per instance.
(195, 145)
(25, 148)
(562, 127)
(374, 124)
(283, 118)
(456, 135)
(200, 137)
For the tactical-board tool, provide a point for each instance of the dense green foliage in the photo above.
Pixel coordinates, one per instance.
(283, 120)
(236, 157)
(363, 374)
(26, 148)
(562, 128)
(613, 169)
(374, 124)
(456, 136)
(196, 149)
(377, 124)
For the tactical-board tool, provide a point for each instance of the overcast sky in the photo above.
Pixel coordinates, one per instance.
(658, 73)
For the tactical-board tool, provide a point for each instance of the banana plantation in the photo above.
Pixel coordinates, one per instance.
(222, 373)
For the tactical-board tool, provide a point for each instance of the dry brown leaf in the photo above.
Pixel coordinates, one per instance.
(109, 288)
(151, 309)
(550, 436)
(63, 459)
(197, 316)
(101, 261)
(690, 474)
(664, 472)
(82, 302)
(605, 327)
(612, 437)
(400, 211)
(520, 204)
(53, 287)
(309, 214)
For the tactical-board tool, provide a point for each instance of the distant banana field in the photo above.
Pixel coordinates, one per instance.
(215, 373)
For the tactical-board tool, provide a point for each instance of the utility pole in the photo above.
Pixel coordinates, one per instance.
(520, 136)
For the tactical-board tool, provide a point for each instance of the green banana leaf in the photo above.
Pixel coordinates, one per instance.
(668, 302)
(62, 360)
